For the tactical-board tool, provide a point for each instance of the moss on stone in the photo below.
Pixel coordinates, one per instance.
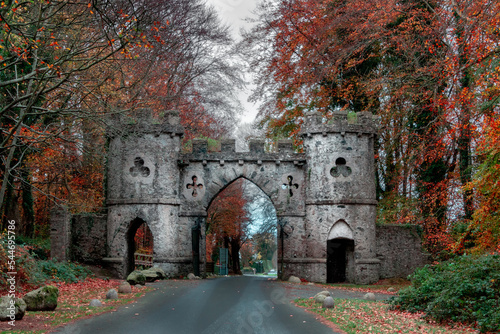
(42, 299)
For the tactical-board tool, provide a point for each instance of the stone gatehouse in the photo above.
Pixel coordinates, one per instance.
(325, 196)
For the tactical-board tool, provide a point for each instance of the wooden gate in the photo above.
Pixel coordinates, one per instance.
(144, 260)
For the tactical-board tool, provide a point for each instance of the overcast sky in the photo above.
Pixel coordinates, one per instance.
(233, 13)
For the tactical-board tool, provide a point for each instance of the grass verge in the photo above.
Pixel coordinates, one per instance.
(73, 304)
(361, 316)
(379, 287)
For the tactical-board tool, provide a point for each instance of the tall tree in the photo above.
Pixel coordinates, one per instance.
(421, 65)
(45, 48)
(66, 66)
(227, 222)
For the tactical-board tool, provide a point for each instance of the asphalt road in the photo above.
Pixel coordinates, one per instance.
(235, 305)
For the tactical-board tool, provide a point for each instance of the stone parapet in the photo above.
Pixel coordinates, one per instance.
(298, 159)
(228, 145)
(121, 126)
(257, 154)
(128, 201)
(257, 146)
(365, 123)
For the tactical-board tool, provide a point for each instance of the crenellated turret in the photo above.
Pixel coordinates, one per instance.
(341, 157)
(145, 152)
(340, 191)
(143, 185)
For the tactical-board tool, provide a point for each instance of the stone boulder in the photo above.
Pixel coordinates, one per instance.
(159, 272)
(136, 277)
(124, 288)
(112, 294)
(319, 299)
(369, 296)
(325, 293)
(95, 303)
(153, 274)
(294, 279)
(42, 299)
(321, 296)
(328, 302)
(11, 310)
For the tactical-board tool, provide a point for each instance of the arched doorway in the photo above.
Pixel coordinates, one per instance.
(139, 246)
(340, 253)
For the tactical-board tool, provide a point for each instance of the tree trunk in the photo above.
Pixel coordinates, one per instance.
(235, 255)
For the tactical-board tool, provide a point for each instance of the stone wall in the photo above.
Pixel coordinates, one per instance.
(399, 247)
(60, 221)
(88, 238)
(80, 238)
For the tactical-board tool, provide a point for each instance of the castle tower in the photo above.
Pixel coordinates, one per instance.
(340, 197)
(143, 187)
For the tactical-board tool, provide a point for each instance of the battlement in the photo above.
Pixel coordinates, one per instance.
(227, 152)
(361, 123)
(120, 125)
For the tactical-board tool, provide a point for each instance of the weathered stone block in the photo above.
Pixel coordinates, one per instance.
(200, 146)
(285, 146)
(228, 145)
(257, 146)
(60, 233)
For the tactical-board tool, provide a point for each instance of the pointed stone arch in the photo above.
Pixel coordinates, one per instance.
(134, 226)
(215, 192)
(340, 230)
(245, 182)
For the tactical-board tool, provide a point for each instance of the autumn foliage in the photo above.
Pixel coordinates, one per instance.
(429, 69)
(67, 68)
(227, 224)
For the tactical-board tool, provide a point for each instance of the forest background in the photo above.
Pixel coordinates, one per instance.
(429, 69)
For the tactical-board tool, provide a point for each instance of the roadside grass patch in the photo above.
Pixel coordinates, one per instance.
(361, 316)
(73, 304)
(380, 287)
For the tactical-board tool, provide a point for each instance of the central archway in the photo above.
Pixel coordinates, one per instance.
(241, 231)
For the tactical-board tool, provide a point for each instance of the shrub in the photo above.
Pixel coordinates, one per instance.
(465, 289)
(33, 271)
(39, 248)
(51, 270)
